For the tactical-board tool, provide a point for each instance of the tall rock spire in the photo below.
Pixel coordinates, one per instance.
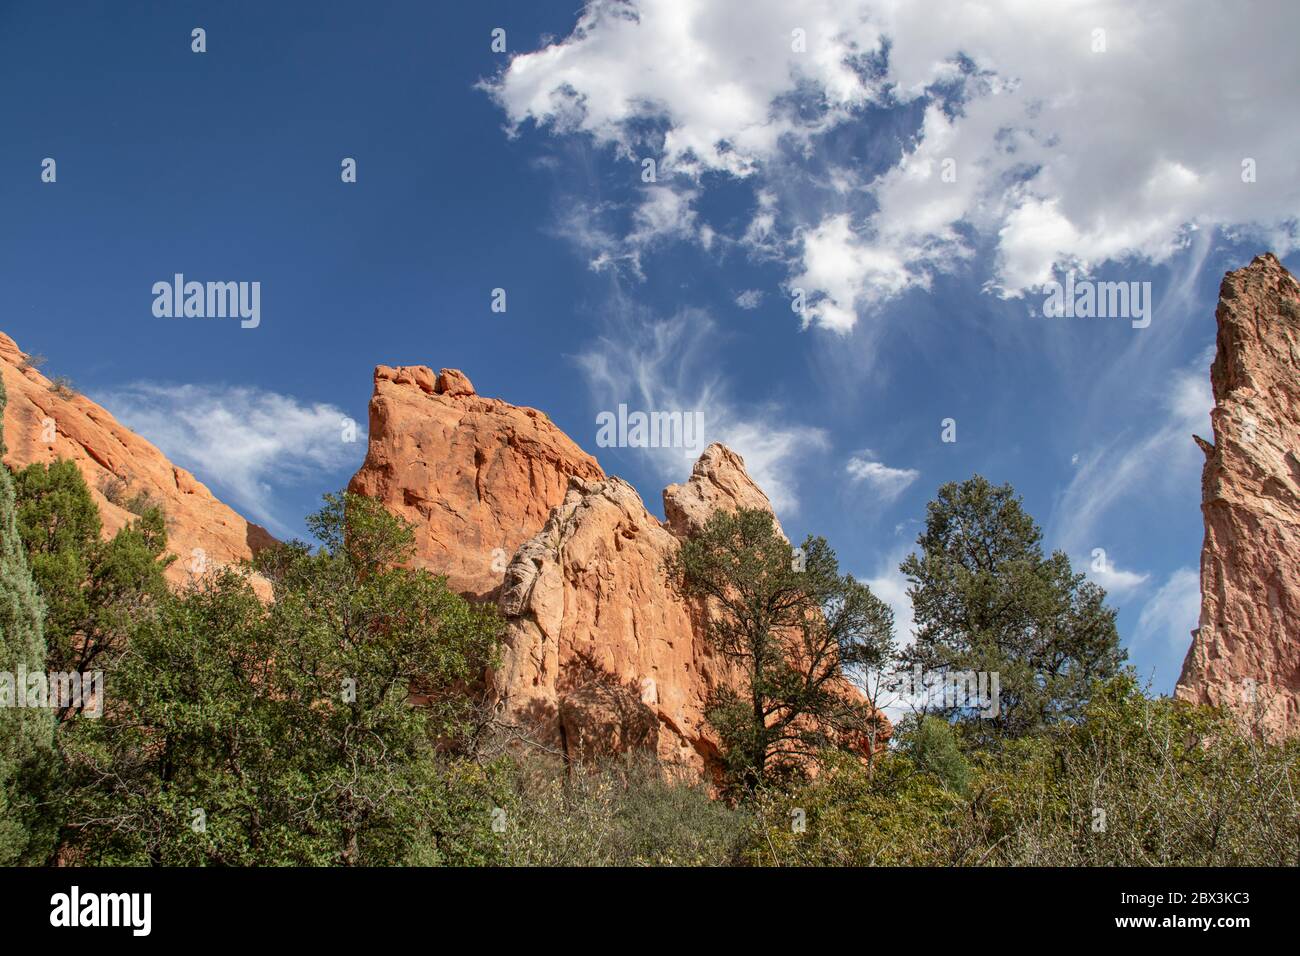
(1245, 654)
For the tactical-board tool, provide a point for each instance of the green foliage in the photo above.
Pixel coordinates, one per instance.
(624, 812)
(888, 814)
(1135, 782)
(26, 735)
(289, 728)
(985, 599)
(793, 628)
(933, 746)
(96, 591)
(1149, 782)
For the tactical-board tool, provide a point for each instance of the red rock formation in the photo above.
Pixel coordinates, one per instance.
(718, 481)
(476, 476)
(1245, 655)
(601, 653)
(587, 604)
(43, 425)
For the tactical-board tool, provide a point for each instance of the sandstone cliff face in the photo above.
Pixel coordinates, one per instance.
(601, 654)
(1245, 655)
(476, 476)
(42, 425)
(718, 482)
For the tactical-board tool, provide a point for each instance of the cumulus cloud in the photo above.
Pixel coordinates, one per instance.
(1050, 133)
(750, 299)
(885, 483)
(246, 442)
(655, 364)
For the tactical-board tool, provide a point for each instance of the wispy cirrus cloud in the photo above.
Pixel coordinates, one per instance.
(1164, 629)
(662, 364)
(1132, 464)
(246, 443)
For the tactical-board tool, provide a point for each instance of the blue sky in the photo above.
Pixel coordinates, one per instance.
(796, 146)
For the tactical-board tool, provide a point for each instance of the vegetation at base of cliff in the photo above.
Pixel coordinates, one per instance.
(791, 624)
(96, 592)
(244, 734)
(26, 734)
(240, 732)
(1136, 781)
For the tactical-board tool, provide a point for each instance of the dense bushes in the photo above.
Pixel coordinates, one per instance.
(628, 812)
(239, 732)
(26, 734)
(1136, 782)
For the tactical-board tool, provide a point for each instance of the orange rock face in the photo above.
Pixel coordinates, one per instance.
(591, 616)
(476, 476)
(43, 425)
(1245, 655)
(718, 482)
(601, 654)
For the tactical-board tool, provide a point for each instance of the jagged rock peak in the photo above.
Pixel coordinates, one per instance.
(718, 481)
(1245, 653)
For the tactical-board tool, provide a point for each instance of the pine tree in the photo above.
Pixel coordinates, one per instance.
(794, 629)
(26, 734)
(986, 599)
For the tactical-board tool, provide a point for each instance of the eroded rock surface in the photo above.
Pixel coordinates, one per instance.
(476, 476)
(44, 423)
(591, 616)
(1245, 654)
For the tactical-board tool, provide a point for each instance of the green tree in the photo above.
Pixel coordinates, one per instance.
(247, 734)
(96, 592)
(26, 734)
(986, 599)
(935, 749)
(793, 626)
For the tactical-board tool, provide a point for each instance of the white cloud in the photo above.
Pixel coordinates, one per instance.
(1117, 581)
(750, 299)
(717, 72)
(1173, 612)
(242, 441)
(889, 584)
(1060, 153)
(842, 272)
(1131, 466)
(653, 364)
(885, 483)
(663, 213)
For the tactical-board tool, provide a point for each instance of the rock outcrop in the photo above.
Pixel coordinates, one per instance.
(1245, 655)
(595, 630)
(476, 476)
(718, 481)
(601, 653)
(44, 422)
